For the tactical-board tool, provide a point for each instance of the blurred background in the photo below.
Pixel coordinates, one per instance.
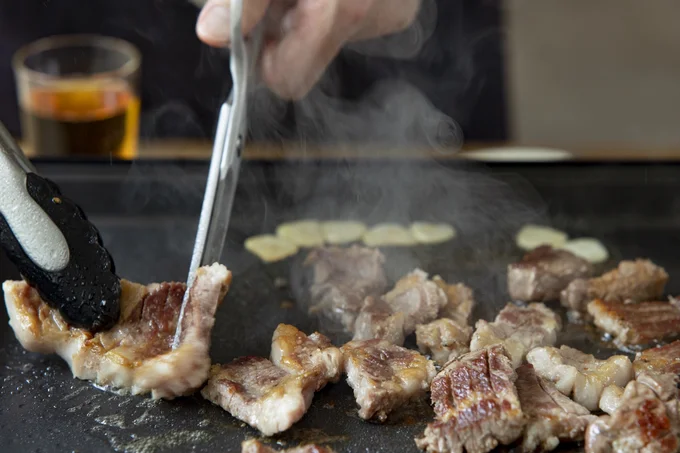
(600, 77)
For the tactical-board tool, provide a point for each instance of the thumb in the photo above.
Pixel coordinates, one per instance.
(213, 25)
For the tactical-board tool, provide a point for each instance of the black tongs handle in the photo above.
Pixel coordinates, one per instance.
(56, 249)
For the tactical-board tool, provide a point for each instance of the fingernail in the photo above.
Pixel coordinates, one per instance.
(213, 24)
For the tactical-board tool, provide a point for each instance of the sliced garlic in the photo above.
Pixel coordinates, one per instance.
(589, 249)
(388, 234)
(270, 248)
(532, 236)
(432, 233)
(342, 232)
(303, 233)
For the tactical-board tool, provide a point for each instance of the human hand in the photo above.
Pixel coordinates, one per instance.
(304, 36)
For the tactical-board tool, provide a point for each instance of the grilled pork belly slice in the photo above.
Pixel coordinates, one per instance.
(272, 395)
(261, 394)
(136, 354)
(544, 272)
(636, 323)
(385, 376)
(377, 321)
(476, 404)
(662, 359)
(580, 375)
(642, 423)
(443, 339)
(551, 416)
(297, 353)
(255, 446)
(637, 281)
(343, 278)
(459, 301)
(519, 329)
(418, 298)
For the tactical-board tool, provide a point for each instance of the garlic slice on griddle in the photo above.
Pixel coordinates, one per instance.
(303, 233)
(342, 231)
(432, 233)
(270, 248)
(388, 234)
(590, 249)
(531, 236)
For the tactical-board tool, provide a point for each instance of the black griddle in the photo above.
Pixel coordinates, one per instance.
(147, 214)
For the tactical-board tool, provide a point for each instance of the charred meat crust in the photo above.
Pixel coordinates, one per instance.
(636, 323)
(385, 376)
(476, 404)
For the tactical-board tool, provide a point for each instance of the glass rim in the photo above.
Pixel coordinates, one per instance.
(65, 41)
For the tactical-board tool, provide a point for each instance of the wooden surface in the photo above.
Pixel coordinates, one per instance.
(201, 150)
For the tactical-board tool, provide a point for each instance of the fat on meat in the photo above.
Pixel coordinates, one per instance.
(637, 281)
(476, 404)
(551, 417)
(543, 273)
(385, 376)
(519, 329)
(580, 375)
(136, 354)
(642, 423)
(297, 353)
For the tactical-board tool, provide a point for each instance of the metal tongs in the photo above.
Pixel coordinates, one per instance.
(232, 128)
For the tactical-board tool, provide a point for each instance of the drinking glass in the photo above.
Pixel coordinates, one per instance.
(79, 96)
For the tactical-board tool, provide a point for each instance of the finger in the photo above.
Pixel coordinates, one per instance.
(291, 66)
(384, 17)
(213, 25)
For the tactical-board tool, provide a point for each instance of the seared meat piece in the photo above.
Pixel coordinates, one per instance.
(642, 424)
(418, 298)
(443, 339)
(519, 329)
(637, 280)
(476, 404)
(135, 354)
(552, 417)
(261, 394)
(636, 323)
(459, 301)
(385, 376)
(272, 395)
(581, 375)
(297, 353)
(255, 446)
(662, 359)
(543, 273)
(376, 321)
(343, 278)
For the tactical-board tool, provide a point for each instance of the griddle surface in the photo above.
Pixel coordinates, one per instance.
(147, 216)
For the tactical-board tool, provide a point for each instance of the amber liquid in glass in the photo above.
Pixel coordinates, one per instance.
(82, 121)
